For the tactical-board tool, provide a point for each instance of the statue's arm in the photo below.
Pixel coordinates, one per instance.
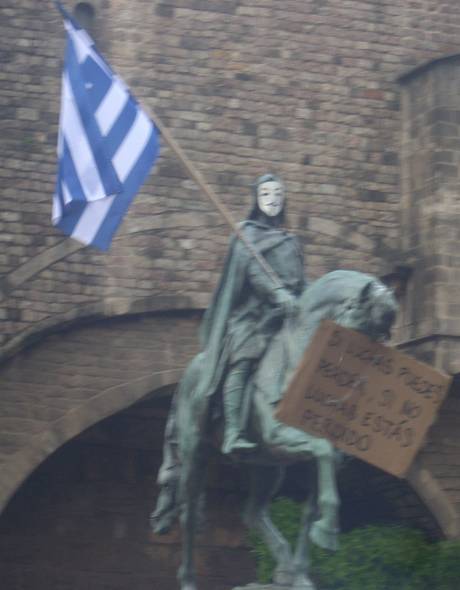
(267, 290)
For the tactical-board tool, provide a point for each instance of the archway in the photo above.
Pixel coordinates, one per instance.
(81, 518)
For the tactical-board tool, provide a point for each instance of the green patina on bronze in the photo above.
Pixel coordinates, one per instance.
(253, 336)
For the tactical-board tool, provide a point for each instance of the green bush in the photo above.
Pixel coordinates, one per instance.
(442, 568)
(373, 558)
(370, 558)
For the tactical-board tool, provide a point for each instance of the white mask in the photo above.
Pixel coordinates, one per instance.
(270, 197)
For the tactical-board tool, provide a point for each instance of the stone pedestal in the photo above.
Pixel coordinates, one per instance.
(269, 587)
(282, 581)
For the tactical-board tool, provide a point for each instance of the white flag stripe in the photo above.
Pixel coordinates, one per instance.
(82, 155)
(56, 214)
(81, 43)
(91, 220)
(60, 141)
(66, 194)
(133, 145)
(111, 106)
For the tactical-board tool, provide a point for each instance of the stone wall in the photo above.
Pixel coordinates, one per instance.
(71, 380)
(431, 206)
(430, 323)
(305, 88)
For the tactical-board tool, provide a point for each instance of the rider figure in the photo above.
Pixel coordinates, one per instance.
(246, 312)
(248, 308)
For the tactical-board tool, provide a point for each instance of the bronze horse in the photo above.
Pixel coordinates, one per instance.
(351, 299)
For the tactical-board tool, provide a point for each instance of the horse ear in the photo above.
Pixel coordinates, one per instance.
(365, 292)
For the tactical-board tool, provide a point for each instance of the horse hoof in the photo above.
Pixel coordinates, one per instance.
(302, 582)
(324, 537)
(282, 577)
(162, 523)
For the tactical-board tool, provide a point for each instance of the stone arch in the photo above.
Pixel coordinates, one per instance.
(74, 378)
(84, 513)
(106, 403)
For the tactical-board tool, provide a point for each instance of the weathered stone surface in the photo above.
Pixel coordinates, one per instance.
(71, 380)
(306, 91)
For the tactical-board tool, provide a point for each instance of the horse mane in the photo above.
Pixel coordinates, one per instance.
(332, 289)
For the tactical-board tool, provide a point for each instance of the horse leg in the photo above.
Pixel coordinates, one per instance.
(301, 562)
(191, 487)
(264, 482)
(324, 531)
(294, 444)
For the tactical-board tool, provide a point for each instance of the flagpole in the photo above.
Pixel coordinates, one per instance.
(198, 178)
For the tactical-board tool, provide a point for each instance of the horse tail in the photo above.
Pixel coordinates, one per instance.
(168, 503)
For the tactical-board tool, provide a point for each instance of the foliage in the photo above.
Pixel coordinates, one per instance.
(370, 558)
(442, 568)
(374, 558)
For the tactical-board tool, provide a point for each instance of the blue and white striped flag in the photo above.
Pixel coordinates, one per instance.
(106, 144)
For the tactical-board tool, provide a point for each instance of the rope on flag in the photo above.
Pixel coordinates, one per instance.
(106, 144)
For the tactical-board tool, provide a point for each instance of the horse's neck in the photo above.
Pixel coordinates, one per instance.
(296, 336)
(298, 333)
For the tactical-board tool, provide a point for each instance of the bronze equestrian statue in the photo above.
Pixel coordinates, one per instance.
(253, 337)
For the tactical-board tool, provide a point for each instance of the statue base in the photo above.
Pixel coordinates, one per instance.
(283, 581)
(276, 586)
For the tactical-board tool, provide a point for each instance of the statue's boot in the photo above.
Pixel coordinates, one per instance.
(234, 441)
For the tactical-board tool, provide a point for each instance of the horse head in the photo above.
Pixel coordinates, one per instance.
(372, 311)
(352, 299)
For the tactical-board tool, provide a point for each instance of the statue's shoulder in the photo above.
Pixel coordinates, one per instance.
(264, 237)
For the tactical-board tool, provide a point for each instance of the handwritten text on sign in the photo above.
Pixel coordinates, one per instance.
(370, 400)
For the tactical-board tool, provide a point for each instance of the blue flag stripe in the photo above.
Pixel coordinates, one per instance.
(97, 81)
(121, 127)
(132, 184)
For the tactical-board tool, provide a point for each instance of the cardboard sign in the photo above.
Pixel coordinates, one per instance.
(369, 400)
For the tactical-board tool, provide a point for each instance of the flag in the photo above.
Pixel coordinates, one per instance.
(106, 144)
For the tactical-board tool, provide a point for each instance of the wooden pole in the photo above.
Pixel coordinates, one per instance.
(198, 178)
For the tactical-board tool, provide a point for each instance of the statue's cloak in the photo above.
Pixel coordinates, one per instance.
(230, 292)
